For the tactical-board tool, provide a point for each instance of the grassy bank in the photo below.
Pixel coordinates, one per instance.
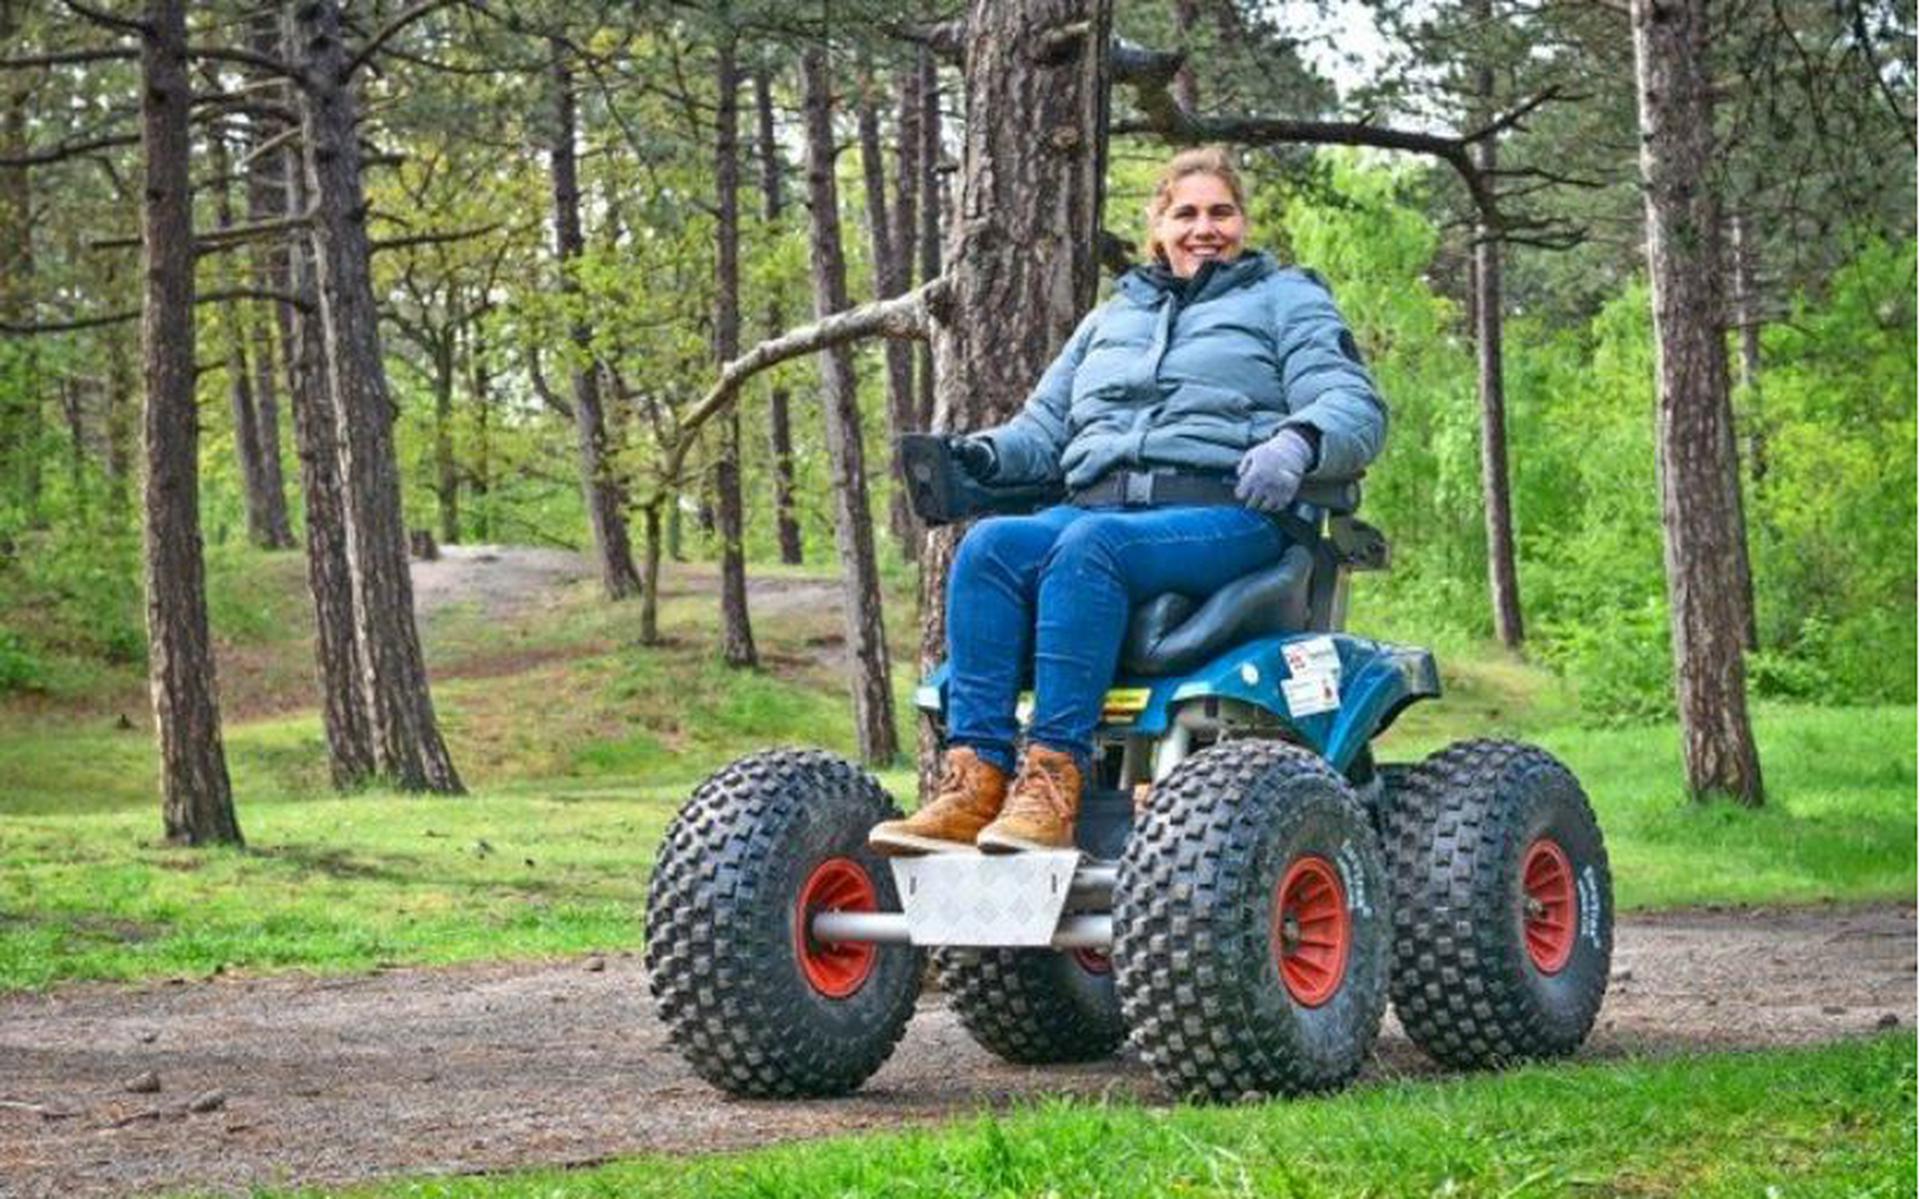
(1837, 1121)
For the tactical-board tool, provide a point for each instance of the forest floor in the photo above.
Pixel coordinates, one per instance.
(297, 1080)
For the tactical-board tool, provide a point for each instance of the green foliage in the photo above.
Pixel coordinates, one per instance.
(1830, 521)
(1833, 1121)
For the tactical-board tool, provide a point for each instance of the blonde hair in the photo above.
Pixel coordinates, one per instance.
(1204, 160)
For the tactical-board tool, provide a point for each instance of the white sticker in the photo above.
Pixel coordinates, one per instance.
(1315, 655)
(1355, 879)
(1311, 694)
(1249, 674)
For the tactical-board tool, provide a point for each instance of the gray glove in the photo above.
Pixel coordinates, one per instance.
(976, 456)
(1270, 473)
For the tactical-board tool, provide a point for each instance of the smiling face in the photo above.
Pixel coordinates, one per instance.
(1202, 222)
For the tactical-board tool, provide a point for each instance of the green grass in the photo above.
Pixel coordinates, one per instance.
(1836, 1121)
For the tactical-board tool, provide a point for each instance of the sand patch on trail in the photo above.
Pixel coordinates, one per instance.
(314, 1081)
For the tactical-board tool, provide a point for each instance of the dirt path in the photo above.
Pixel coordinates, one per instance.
(502, 579)
(325, 1080)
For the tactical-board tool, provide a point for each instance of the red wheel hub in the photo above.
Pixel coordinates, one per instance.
(1551, 920)
(1093, 961)
(836, 969)
(1312, 930)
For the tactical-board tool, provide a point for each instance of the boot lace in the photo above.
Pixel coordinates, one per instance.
(1043, 788)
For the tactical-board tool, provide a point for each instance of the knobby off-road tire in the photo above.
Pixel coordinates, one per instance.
(1034, 1006)
(1502, 905)
(1250, 932)
(754, 1004)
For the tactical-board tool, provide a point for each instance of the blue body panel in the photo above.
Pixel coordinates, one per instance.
(1376, 681)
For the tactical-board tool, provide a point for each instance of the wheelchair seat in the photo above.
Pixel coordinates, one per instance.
(1174, 633)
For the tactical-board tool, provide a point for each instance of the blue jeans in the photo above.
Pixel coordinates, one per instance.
(1057, 588)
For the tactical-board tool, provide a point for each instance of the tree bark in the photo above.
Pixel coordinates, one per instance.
(1186, 88)
(246, 432)
(605, 498)
(736, 625)
(19, 413)
(1025, 236)
(1746, 312)
(407, 745)
(853, 522)
(481, 385)
(927, 75)
(266, 201)
(1503, 576)
(196, 795)
(336, 647)
(887, 283)
(779, 420)
(1699, 517)
(446, 469)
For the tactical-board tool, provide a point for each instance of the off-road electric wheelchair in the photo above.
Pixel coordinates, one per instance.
(1251, 885)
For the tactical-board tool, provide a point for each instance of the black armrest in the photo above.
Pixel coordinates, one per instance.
(942, 493)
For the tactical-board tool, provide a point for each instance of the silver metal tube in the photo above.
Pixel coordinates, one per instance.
(861, 926)
(1084, 932)
(1093, 887)
(1075, 932)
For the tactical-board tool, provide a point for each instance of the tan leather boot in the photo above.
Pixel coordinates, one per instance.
(1041, 807)
(970, 794)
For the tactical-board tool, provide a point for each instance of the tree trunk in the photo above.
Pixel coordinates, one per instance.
(1699, 517)
(779, 420)
(853, 521)
(446, 470)
(736, 625)
(605, 498)
(1025, 232)
(481, 384)
(1503, 576)
(407, 744)
(246, 432)
(1186, 88)
(650, 577)
(1746, 309)
(927, 74)
(119, 427)
(196, 796)
(887, 283)
(343, 701)
(20, 447)
(265, 201)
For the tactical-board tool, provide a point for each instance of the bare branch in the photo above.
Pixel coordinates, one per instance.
(250, 58)
(66, 150)
(432, 238)
(61, 58)
(80, 323)
(110, 20)
(386, 32)
(1511, 118)
(908, 318)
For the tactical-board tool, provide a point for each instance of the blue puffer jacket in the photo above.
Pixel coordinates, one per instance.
(1156, 378)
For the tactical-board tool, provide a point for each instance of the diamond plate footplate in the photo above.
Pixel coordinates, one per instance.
(984, 899)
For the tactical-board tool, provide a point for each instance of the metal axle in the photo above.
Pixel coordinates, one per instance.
(1075, 932)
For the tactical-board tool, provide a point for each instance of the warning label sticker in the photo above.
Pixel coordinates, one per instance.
(1314, 687)
(1311, 694)
(1315, 655)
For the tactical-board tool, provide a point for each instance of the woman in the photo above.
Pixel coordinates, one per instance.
(1181, 412)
